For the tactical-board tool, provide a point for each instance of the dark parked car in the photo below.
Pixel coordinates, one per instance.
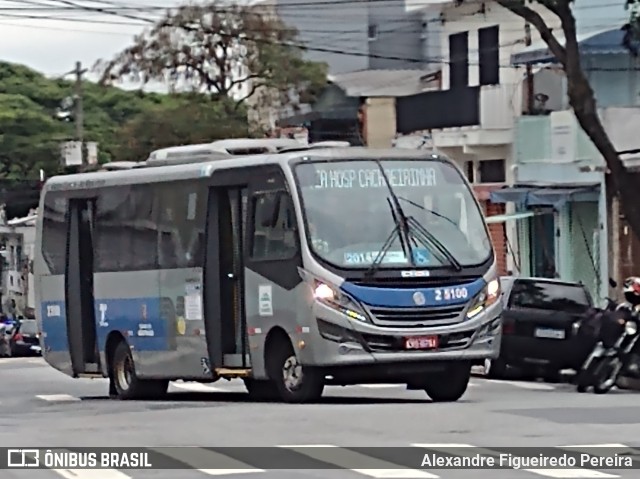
(25, 340)
(540, 324)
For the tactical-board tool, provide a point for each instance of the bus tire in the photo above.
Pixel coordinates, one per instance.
(451, 384)
(294, 382)
(261, 390)
(125, 382)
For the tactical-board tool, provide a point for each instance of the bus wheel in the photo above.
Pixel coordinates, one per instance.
(449, 385)
(261, 390)
(294, 382)
(126, 384)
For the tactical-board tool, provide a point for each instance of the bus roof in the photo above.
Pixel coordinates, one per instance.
(202, 169)
(225, 148)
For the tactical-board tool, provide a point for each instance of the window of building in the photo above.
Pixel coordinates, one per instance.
(469, 169)
(492, 171)
(373, 32)
(274, 231)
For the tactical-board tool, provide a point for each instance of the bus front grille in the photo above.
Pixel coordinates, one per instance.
(416, 317)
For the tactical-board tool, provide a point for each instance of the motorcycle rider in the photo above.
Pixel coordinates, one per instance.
(631, 292)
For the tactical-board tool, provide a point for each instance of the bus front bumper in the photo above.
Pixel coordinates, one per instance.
(344, 342)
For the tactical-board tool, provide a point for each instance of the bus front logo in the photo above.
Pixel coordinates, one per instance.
(419, 298)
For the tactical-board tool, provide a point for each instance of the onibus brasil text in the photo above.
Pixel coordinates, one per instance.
(109, 460)
(512, 461)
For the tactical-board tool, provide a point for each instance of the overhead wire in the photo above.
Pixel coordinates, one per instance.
(314, 48)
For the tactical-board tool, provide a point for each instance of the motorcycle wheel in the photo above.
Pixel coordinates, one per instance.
(587, 377)
(602, 379)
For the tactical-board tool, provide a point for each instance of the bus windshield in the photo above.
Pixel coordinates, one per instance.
(349, 217)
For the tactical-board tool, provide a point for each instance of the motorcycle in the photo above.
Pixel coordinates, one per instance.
(618, 334)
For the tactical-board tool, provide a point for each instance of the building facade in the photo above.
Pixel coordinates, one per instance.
(472, 118)
(570, 226)
(352, 36)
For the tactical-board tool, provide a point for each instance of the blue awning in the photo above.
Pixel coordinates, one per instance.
(545, 196)
(557, 197)
(602, 42)
(516, 194)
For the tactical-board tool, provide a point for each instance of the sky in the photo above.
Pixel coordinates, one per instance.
(63, 33)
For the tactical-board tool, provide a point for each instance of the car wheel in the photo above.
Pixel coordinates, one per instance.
(495, 368)
(552, 376)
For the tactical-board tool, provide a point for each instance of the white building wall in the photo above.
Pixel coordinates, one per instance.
(475, 15)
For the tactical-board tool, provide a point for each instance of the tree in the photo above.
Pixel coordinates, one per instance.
(31, 131)
(217, 48)
(186, 122)
(29, 139)
(581, 96)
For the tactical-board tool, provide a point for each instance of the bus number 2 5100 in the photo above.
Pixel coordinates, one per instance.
(447, 294)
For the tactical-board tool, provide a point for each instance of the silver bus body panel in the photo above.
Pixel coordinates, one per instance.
(295, 311)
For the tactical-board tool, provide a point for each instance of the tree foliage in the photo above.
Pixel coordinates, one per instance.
(31, 131)
(186, 122)
(217, 48)
(581, 96)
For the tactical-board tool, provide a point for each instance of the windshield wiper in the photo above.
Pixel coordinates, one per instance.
(431, 238)
(434, 213)
(395, 232)
(399, 217)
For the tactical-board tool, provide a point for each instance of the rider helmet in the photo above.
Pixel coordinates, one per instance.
(631, 290)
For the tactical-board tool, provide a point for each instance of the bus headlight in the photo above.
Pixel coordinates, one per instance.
(488, 296)
(335, 299)
(631, 328)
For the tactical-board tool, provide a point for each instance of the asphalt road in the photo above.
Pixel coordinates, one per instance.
(40, 407)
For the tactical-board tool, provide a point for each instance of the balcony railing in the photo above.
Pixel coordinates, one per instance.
(541, 139)
(489, 107)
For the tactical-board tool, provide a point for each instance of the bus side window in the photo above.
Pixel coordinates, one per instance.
(183, 211)
(125, 231)
(274, 232)
(54, 233)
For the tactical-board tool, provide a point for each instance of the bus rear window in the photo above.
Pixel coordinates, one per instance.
(549, 296)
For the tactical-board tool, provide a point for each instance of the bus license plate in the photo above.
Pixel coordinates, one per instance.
(421, 342)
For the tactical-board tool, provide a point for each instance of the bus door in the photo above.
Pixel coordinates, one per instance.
(81, 323)
(224, 296)
(238, 199)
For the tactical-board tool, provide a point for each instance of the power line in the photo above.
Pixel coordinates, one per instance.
(318, 49)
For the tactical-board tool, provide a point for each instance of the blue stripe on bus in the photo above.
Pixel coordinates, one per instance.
(125, 315)
(404, 297)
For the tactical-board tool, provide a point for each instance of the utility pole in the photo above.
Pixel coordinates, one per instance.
(79, 114)
(529, 71)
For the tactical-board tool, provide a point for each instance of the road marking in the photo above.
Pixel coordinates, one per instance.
(21, 360)
(523, 385)
(91, 474)
(381, 386)
(617, 446)
(571, 473)
(575, 473)
(57, 397)
(344, 458)
(196, 387)
(195, 456)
